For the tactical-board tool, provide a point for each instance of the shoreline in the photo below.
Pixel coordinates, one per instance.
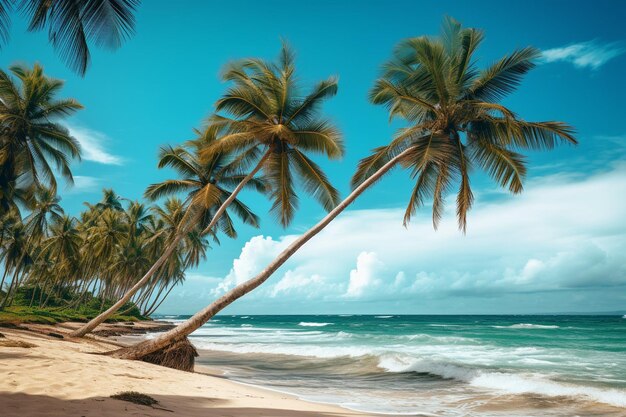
(53, 376)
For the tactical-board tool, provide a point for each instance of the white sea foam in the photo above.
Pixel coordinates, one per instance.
(383, 317)
(527, 326)
(504, 381)
(312, 324)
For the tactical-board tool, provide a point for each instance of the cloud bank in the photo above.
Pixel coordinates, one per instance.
(564, 237)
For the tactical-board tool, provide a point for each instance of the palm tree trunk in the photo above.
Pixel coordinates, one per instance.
(236, 191)
(152, 310)
(4, 275)
(103, 316)
(184, 329)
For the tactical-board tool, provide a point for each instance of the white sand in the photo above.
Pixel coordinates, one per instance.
(65, 378)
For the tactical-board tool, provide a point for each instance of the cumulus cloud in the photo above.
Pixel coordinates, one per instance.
(93, 144)
(366, 275)
(591, 54)
(565, 233)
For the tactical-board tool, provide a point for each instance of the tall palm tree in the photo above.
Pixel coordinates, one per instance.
(454, 121)
(31, 139)
(73, 24)
(205, 182)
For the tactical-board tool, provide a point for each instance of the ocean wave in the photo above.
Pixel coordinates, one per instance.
(504, 381)
(313, 324)
(383, 317)
(527, 326)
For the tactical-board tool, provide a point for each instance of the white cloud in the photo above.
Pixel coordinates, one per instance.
(590, 54)
(93, 144)
(564, 233)
(83, 184)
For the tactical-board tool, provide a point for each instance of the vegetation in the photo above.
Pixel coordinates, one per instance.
(268, 124)
(121, 258)
(73, 24)
(453, 121)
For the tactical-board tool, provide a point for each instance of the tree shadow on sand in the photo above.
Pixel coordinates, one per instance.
(20, 405)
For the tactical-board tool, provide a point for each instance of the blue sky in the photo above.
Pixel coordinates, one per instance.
(555, 248)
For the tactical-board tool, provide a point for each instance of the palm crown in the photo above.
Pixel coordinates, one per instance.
(456, 121)
(206, 182)
(31, 137)
(265, 112)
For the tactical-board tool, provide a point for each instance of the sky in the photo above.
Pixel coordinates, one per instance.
(554, 248)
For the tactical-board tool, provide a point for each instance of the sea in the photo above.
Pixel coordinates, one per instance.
(514, 365)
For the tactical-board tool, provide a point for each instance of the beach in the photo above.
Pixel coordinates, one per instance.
(55, 377)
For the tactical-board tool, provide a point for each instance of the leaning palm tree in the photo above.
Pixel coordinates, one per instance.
(31, 139)
(73, 24)
(206, 182)
(455, 121)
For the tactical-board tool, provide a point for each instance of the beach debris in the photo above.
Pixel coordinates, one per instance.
(2, 336)
(135, 398)
(180, 355)
(139, 399)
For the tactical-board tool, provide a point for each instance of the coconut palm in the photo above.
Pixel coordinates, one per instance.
(31, 139)
(16, 258)
(266, 117)
(455, 121)
(73, 24)
(46, 208)
(63, 248)
(205, 183)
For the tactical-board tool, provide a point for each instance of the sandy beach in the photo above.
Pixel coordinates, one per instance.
(55, 377)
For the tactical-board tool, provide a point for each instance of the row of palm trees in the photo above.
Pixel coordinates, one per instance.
(265, 129)
(102, 252)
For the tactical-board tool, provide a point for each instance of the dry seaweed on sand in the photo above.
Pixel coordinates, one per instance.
(139, 399)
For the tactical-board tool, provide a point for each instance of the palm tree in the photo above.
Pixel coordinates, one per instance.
(455, 121)
(30, 136)
(206, 182)
(73, 24)
(63, 247)
(269, 119)
(16, 258)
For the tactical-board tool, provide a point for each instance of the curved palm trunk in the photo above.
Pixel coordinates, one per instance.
(184, 329)
(109, 312)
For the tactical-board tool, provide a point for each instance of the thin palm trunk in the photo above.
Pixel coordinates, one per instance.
(103, 316)
(4, 275)
(184, 329)
(152, 310)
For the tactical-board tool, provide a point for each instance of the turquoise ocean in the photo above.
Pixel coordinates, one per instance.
(428, 365)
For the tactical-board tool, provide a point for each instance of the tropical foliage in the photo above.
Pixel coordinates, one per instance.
(49, 254)
(73, 24)
(33, 144)
(267, 123)
(454, 121)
